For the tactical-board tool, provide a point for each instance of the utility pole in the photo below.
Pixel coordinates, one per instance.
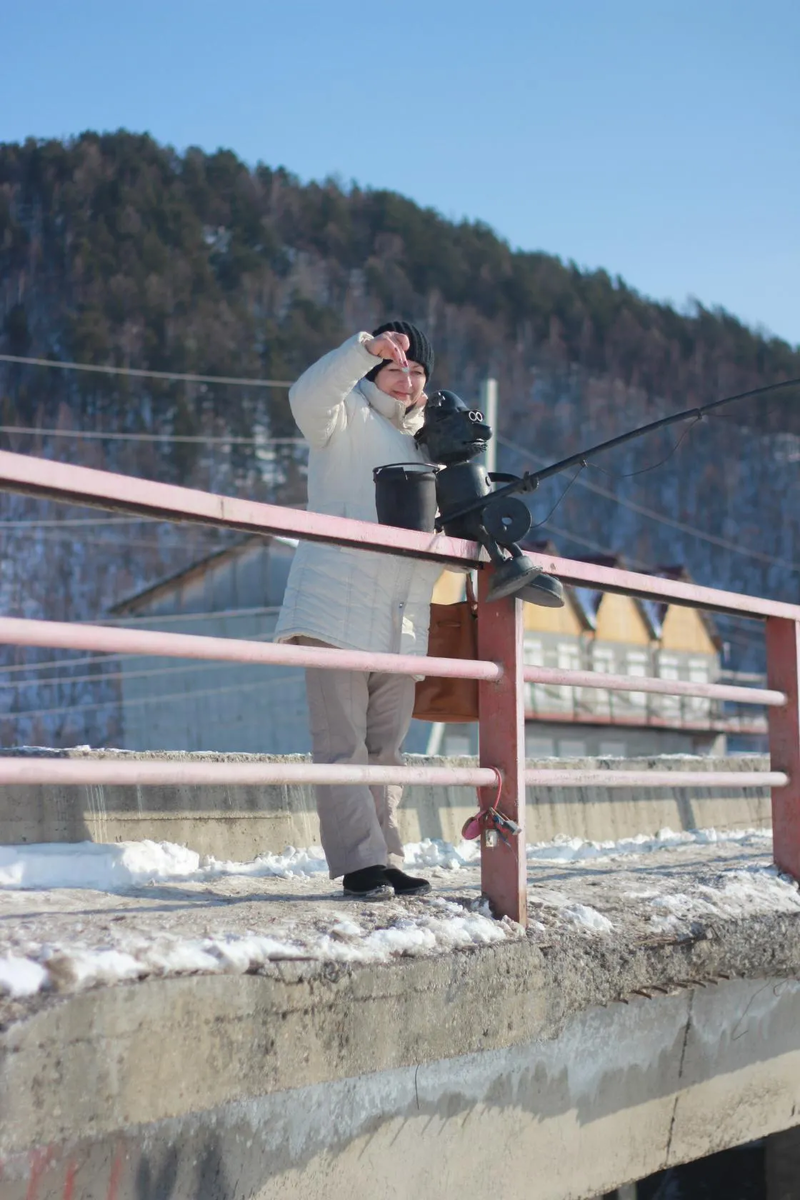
(489, 408)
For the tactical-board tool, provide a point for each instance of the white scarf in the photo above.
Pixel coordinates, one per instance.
(400, 415)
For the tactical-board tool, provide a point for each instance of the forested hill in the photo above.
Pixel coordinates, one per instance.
(116, 250)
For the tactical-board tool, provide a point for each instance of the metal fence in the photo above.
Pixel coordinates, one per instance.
(679, 704)
(501, 776)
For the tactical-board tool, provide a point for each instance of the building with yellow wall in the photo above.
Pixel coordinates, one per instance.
(237, 707)
(618, 635)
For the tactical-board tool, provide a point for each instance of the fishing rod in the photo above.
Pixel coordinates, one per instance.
(530, 480)
(452, 435)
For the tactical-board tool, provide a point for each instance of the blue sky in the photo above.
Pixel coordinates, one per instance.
(660, 140)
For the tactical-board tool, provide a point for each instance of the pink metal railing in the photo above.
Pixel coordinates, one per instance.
(643, 712)
(16, 631)
(144, 772)
(499, 670)
(547, 777)
(644, 683)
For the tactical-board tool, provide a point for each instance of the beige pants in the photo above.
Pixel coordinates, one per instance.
(358, 717)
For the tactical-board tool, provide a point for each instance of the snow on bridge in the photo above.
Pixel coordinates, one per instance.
(163, 1015)
(77, 916)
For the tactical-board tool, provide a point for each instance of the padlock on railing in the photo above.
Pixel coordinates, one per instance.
(488, 819)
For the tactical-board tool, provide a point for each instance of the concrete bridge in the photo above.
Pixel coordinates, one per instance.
(224, 1034)
(556, 1064)
(507, 1071)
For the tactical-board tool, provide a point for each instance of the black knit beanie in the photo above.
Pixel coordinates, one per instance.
(419, 348)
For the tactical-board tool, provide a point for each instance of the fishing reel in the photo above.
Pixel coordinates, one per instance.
(454, 435)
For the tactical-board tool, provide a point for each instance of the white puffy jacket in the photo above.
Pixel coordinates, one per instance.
(354, 599)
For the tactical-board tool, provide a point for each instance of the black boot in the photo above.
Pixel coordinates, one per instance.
(370, 883)
(406, 885)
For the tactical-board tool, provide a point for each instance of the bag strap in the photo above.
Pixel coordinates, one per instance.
(471, 598)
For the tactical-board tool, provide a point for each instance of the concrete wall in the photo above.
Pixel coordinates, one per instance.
(234, 708)
(566, 739)
(183, 704)
(238, 823)
(215, 1088)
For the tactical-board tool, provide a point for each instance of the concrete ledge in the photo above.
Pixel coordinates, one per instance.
(240, 822)
(429, 1077)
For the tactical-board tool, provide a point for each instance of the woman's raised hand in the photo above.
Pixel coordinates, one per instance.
(389, 345)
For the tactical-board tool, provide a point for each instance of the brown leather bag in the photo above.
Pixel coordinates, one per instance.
(453, 634)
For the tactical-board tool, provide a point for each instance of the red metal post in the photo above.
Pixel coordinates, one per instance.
(783, 673)
(502, 745)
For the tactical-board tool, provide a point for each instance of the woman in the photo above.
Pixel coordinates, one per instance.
(359, 408)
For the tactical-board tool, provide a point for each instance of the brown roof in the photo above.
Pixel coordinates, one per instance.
(653, 611)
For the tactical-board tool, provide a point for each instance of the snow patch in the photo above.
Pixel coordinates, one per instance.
(436, 853)
(97, 866)
(589, 918)
(20, 976)
(435, 926)
(72, 969)
(567, 849)
(113, 867)
(290, 864)
(75, 969)
(746, 893)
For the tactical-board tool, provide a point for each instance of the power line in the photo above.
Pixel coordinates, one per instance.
(70, 708)
(87, 435)
(53, 535)
(260, 611)
(660, 517)
(86, 522)
(98, 658)
(101, 659)
(99, 677)
(66, 663)
(79, 521)
(144, 374)
(559, 531)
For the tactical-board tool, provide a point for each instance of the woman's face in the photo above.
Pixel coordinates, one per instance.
(405, 386)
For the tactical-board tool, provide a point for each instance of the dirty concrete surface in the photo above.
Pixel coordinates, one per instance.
(618, 887)
(613, 926)
(605, 936)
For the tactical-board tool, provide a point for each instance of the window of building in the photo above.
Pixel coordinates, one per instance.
(533, 656)
(636, 664)
(456, 744)
(569, 659)
(600, 700)
(572, 748)
(613, 749)
(539, 747)
(699, 672)
(603, 659)
(668, 668)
